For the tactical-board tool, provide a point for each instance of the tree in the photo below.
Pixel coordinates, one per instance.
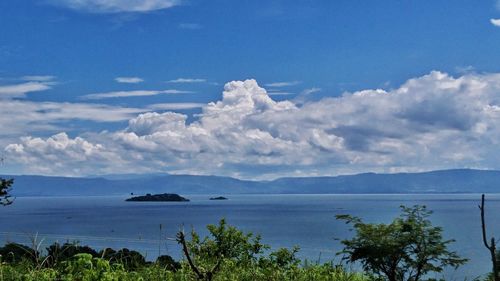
(15, 253)
(130, 259)
(226, 243)
(5, 188)
(490, 246)
(57, 253)
(406, 249)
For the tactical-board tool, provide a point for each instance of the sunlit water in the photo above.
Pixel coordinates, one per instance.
(282, 220)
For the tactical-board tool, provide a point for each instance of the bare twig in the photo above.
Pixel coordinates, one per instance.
(492, 245)
(181, 239)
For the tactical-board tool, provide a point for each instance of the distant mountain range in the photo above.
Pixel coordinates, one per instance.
(444, 181)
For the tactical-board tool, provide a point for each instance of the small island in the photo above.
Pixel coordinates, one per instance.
(165, 197)
(218, 198)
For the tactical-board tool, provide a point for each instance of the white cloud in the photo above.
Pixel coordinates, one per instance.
(39, 78)
(279, 93)
(129, 80)
(311, 91)
(282, 84)
(21, 117)
(175, 106)
(465, 69)
(495, 22)
(430, 122)
(20, 90)
(117, 6)
(45, 153)
(124, 94)
(305, 95)
(187, 80)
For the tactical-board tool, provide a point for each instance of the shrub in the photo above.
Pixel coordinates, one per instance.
(406, 249)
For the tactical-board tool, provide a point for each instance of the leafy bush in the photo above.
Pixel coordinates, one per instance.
(167, 262)
(16, 253)
(131, 260)
(57, 253)
(84, 267)
(406, 249)
(5, 188)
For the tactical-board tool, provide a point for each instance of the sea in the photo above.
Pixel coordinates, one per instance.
(307, 221)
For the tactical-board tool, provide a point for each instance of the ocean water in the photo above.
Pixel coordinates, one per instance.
(283, 221)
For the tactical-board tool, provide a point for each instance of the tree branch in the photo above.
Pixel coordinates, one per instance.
(483, 224)
(181, 239)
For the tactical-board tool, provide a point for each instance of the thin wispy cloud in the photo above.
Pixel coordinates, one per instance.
(465, 69)
(176, 106)
(117, 6)
(129, 80)
(187, 80)
(20, 90)
(280, 93)
(126, 94)
(190, 26)
(310, 91)
(304, 96)
(38, 78)
(21, 117)
(495, 22)
(283, 84)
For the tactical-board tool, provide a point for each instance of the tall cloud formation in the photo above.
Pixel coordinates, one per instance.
(430, 122)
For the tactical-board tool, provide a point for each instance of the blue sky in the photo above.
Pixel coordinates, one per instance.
(88, 69)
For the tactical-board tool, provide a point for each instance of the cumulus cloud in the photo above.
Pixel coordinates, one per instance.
(44, 154)
(129, 80)
(187, 80)
(125, 94)
(429, 122)
(117, 6)
(495, 22)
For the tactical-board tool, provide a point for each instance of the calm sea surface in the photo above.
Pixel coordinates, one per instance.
(282, 220)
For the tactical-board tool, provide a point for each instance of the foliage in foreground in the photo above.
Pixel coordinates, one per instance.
(84, 267)
(5, 188)
(227, 254)
(406, 249)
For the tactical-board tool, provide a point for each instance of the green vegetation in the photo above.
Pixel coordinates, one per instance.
(5, 188)
(165, 197)
(406, 249)
(227, 254)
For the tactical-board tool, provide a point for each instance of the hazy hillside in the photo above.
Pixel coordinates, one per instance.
(447, 181)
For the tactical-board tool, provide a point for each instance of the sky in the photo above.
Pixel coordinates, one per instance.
(248, 89)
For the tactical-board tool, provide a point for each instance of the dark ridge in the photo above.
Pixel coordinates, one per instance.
(165, 197)
(218, 198)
